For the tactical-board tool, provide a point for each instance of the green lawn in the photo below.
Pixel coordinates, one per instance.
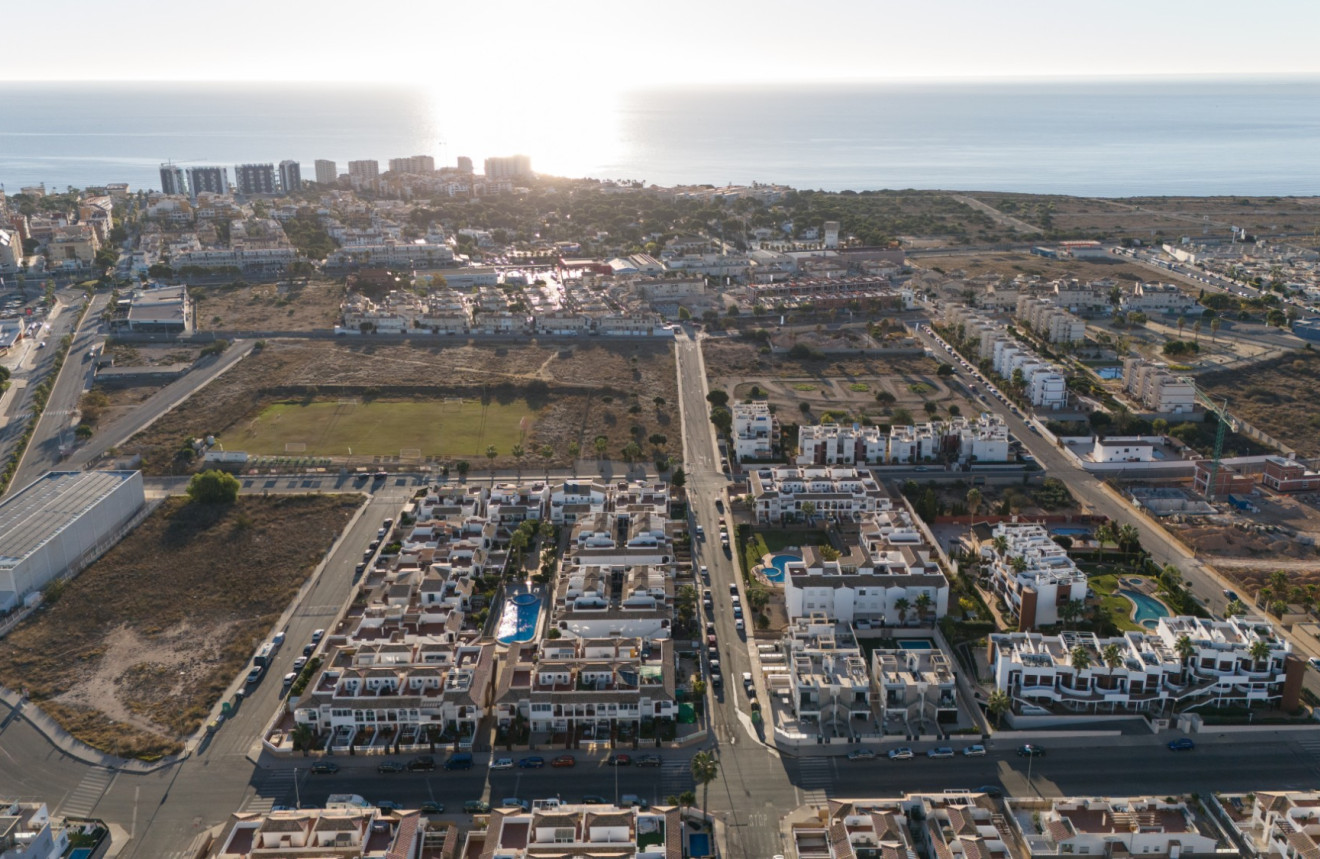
(1120, 607)
(384, 428)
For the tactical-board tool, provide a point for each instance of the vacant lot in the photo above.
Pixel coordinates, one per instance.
(1277, 397)
(133, 653)
(447, 428)
(571, 393)
(1009, 265)
(269, 306)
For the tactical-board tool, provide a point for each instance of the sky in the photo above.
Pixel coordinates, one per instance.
(579, 47)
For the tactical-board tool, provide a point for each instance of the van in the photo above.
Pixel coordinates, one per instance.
(631, 799)
(546, 804)
(459, 761)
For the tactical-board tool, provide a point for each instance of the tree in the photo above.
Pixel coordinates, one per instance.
(1070, 611)
(1235, 608)
(463, 467)
(1170, 577)
(574, 451)
(885, 398)
(923, 605)
(1112, 655)
(518, 454)
(213, 487)
(302, 738)
(546, 453)
(1259, 651)
(973, 500)
(631, 452)
(688, 798)
(601, 443)
(997, 705)
(1080, 658)
(658, 439)
(679, 478)
(1129, 539)
(1214, 327)
(717, 398)
(902, 605)
(1159, 426)
(901, 418)
(808, 509)
(722, 418)
(705, 769)
(1186, 650)
(491, 454)
(1001, 545)
(944, 370)
(931, 408)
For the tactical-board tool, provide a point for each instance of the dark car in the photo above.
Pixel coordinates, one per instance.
(618, 761)
(650, 761)
(431, 808)
(390, 767)
(531, 762)
(1030, 751)
(309, 649)
(425, 763)
(460, 761)
(989, 790)
(593, 799)
(476, 806)
(325, 768)
(1182, 745)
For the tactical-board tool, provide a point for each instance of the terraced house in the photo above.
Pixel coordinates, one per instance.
(568, 832)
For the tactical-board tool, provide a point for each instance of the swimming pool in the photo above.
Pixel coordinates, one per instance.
(778, 564)
(518, 620)
(1149, 609)
(1071, 532)
(916, 644)
(698, 844)
(80, 853)
(1109, 372)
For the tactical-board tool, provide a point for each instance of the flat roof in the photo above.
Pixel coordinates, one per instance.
(41, 510)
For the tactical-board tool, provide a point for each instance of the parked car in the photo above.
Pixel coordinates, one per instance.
(390, 767)
(389, 805)
(476, 806)
(618, 761)
(531, 762)
(900, 754)
(431, 808)
(214, 725)
(299, 664)
(940, 752)
(502, 764)
(861, 755)
(325, 768)
(460, 761)
(308, 650)
(989, 790)
(317, 635)
(515, 802)
(255, 674)
(650, 761)
(1030, 751)
(1183, 744)
(593, 799)
(564, 761)
(975, 751)
(422, 763)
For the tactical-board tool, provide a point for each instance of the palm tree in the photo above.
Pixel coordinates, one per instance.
(574, 451)
(1112, 655)
(518, 454)
(1001, 545)
(973, 500)
(923, 605)
(1129, 538)
(1018, 563)
(997, 705)
(902, 605)
(1080, 658)
(1259, 651)
(1104, 534)
(1235, 608)
(1070, 611)
(1214, 327)
(491, 454)
(1170, 577)
(687, 798)
(1185, 650)
(601, 444)
(547, 453)
(705, 769)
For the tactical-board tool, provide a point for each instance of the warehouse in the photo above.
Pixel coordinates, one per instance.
(60, 521)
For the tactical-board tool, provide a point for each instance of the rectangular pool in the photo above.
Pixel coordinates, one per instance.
(698, 845)
(80, 853)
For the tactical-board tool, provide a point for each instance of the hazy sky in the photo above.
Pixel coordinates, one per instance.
(495, 47)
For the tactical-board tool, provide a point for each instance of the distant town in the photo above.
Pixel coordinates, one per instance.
(422, 512)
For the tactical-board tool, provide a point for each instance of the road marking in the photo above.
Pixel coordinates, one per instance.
(87, 794)
(275, 789)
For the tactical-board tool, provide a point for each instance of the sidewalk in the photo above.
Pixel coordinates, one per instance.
(18, 707)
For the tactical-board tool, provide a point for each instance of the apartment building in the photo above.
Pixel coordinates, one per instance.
(364, 175)
(255, 179)
(212, 180)
(1273, 823)
(575, 498)
(1283, 474)
(1051, 322)
(327, 172)
(1153, 385)
(172, 180)
(889, 578)
(363, 832)
(27, 831)
(1161, 828)
(955, 440)
(911, 687)
(419, 165)
(73, 245)
(290, 176)
(392, 253)
(509, 167)
(1157, 298)
(755, 431)
(567, 831)
(779, 493)
(830, 685)
(1032, 573)
(1234, 662)
(875, 828)
(1086, 299)
(587, 689)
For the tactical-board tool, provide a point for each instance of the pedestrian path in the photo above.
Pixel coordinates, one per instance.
(275, 788)
(675, 778)
(816, 778)
(87, 794)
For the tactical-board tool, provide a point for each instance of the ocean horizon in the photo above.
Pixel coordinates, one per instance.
(1084, 137)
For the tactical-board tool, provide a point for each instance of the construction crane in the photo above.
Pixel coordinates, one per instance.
(1225, 421)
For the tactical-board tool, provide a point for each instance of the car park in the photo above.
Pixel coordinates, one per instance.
(564, 761)
(861, 755)
(325, 768)
(1182, 744)
(390, 767)
(974, 751)
(940, 752)
(900, 754)
(502, 764)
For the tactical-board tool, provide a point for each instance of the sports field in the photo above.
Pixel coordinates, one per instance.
(384, 428)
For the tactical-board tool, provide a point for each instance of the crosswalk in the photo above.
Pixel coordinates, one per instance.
(276, 788)
(816, 779)
(83, 799)
(675, 778)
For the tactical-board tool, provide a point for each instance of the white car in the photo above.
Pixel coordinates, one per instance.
(903, 754)
(502, 764)
(940, 752)
(975, 751)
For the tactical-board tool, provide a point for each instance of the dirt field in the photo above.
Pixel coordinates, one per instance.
(134, 652)
(1277, 396)
(1010, 265)
(848, 384)
(576, 392)
(269, 306)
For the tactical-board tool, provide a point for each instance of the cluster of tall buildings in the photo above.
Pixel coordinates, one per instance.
(249, 179)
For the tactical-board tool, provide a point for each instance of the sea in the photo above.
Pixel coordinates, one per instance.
(1088, 137)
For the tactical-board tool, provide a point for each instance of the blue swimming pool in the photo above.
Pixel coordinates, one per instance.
(916, 644)
(698, 845)
(1071, 532)
(80, 853)
(1149, 609)
(1109, 372)
(778, 564)
(518, 620)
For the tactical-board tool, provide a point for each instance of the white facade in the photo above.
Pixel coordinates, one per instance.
(1111, 827)
(27, 831)
(1153, 385)
(780, 492)
(1047, 577)
(754, 431)
(56, 521)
